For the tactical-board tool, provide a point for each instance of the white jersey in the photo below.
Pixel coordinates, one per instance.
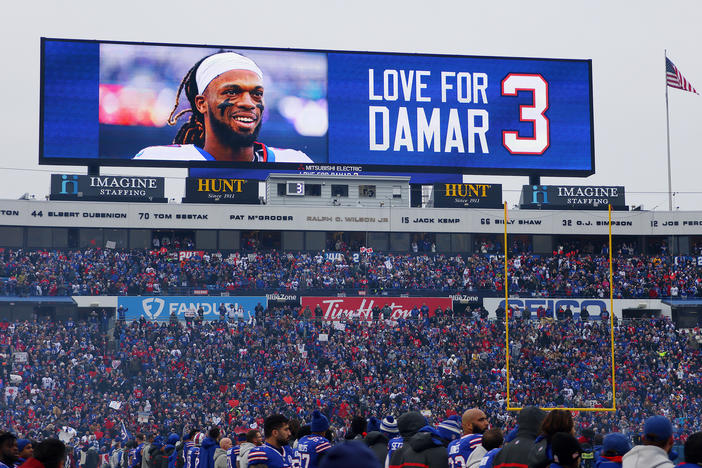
(262, 153)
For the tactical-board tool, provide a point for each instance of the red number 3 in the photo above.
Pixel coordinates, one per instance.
(534, 113)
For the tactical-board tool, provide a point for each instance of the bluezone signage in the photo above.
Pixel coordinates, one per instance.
(315, 111)
(159, 308)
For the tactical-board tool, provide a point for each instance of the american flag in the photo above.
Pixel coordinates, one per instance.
(675, 79)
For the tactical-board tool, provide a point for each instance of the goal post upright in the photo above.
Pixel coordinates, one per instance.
(506, 305)
(611, 325)
(611, 308)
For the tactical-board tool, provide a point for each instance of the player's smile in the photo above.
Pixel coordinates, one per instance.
(245, 120)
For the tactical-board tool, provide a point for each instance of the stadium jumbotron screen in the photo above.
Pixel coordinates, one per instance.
(115, 103)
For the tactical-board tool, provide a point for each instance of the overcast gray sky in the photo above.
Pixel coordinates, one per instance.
(625, 40)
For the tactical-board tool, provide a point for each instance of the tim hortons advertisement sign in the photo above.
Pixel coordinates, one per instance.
(361, 308)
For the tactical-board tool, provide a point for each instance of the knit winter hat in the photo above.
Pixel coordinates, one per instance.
(389, 425)
(616, 443)
(22, 443)
(319, 423)
(449, 429)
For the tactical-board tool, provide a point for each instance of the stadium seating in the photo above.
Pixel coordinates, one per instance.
(139, 272)
(170, 377)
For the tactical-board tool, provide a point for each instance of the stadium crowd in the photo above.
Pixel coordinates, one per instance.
(169, 377)
(161, 271)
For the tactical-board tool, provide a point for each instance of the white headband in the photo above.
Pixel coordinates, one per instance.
(216, 64)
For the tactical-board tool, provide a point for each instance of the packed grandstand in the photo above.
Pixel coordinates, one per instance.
(568, 272)
(151, 378)
(176, 355)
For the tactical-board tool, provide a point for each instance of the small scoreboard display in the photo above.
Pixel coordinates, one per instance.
(296, 189)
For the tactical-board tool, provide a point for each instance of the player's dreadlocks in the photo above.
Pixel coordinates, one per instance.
(192, 131)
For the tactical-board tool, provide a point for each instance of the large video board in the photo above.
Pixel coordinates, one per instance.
(116, 103)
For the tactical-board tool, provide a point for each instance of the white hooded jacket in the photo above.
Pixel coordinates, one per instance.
(647, 456)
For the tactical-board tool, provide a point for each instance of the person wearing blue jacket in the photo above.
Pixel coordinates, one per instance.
(207, 450)
(614, 447)
(169, 450)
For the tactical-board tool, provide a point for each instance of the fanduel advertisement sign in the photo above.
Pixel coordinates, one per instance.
(212, 190)
(467, 195)
(361, 308)
(160, 308)
(569, 197)
(107, 188)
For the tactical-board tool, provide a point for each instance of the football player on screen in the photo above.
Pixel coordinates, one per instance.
(225, 91)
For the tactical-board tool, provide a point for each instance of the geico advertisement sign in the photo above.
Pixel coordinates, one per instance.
(160, 308)
(594, 306)
(361, 308)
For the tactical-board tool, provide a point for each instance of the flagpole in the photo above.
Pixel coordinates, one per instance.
(667, 126)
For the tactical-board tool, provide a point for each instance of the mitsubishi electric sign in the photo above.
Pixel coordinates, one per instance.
(569, 197)
(159, 309)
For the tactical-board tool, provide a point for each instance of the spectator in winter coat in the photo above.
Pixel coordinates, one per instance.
(556, 421)
(376, 440)
(92, 457)
(566, 450)
(657, 441)
(253, 439)
(408, 424)
(145, 453)
(378, 443)
(168, 451)
(515, 453)
(116, 452)
(154, 452)
(220, 454)
(207, 451)
(358, 428)
(425, 449)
